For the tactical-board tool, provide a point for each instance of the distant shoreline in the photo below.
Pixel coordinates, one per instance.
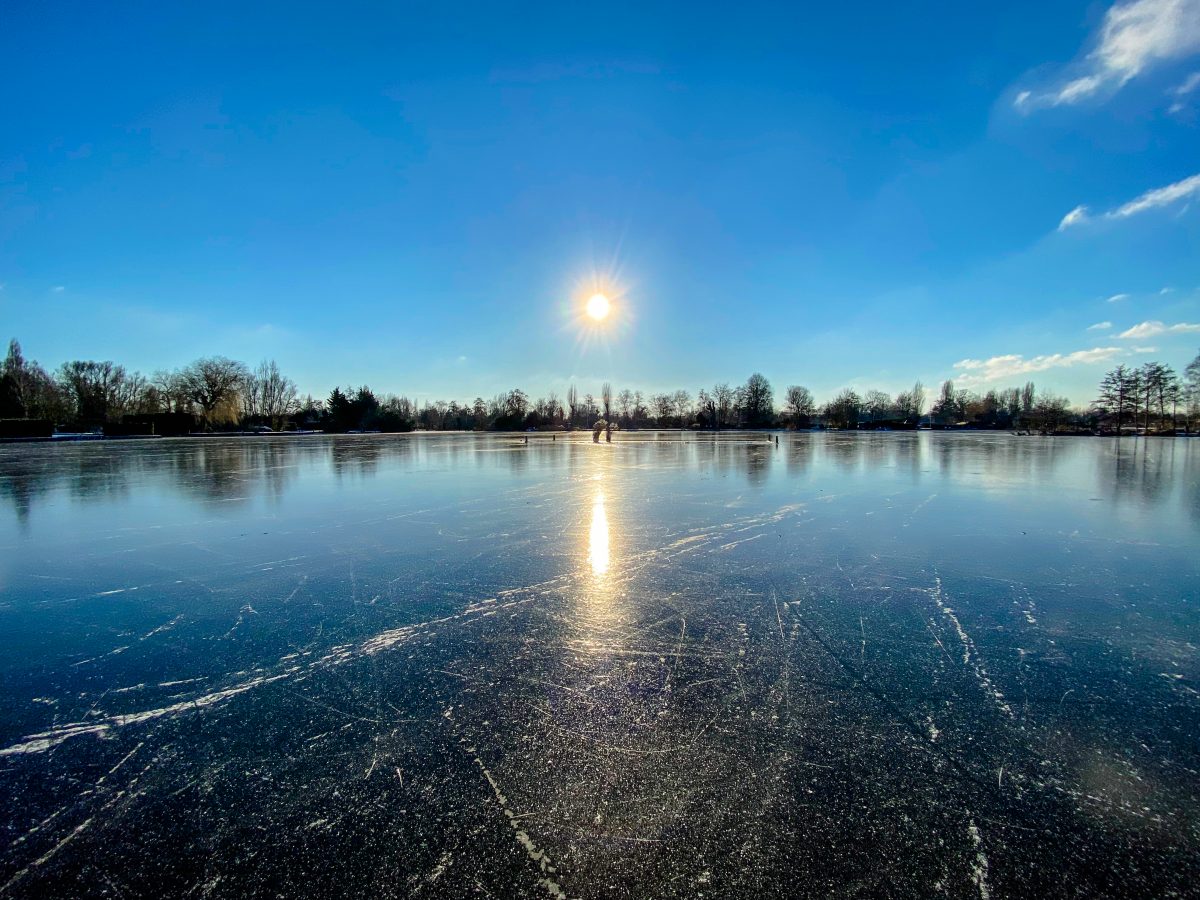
(541, 436)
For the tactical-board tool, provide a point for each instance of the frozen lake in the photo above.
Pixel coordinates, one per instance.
(456, 666)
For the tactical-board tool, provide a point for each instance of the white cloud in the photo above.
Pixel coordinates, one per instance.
(1145, 349)
(1182, 89)
(982, 371)
(1117, 298)
(1154, 199)
(1078, 89)
(1144, 330)
(1100, 326)
(58, 289)
(1135, 37)
(1159, 197)
(1074, 217)
(1166, 290)
(1154, 327)
(1188, 85)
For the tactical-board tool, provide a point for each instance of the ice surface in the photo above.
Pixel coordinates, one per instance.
(676, 665)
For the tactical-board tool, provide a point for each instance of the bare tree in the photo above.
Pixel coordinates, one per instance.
(758, 402)
(724, 398)
(1011, 400)
(951, 404)
(131, 395)
(843, 410)
(251, 398)
(663, 405)
(28, 391)
(572, 404)
(706, 408)
(683, 407)
(606, 395)
(516, 404)
(170, 392)
(14, 401)
(1028, 393)
(553, 409)
(441, 409)
(625, 404)
(910, 404)
(274, 394)
(1049, 413)
(212, 383)
(99, 391)
(917, 398)
(800, 405)
(876, 406)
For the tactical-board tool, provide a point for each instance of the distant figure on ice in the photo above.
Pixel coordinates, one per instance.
(600, 426)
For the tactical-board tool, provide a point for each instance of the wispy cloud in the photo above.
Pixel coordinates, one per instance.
(1135, 37)
(1155, 199)
(1100, 326)
(58, 289)
(1159, 197)
(1185, 87)
(1117, 298)
(1074, 217)
(982, 371)
(1154, 328)
(1188, 85)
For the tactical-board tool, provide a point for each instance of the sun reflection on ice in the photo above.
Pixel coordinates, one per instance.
(599, 613)
(598, 553)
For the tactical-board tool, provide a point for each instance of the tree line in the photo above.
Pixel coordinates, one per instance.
(1150, 396)
(87, 393)
(216, 393)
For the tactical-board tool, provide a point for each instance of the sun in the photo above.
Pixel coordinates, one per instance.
(598, 307)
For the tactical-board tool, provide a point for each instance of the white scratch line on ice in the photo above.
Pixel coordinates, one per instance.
(537, 855)
(979, 870)
(970, 655)
(36, 743)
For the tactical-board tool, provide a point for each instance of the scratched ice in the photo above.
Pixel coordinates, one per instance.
(676, 666)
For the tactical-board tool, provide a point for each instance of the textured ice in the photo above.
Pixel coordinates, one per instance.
(676, 665)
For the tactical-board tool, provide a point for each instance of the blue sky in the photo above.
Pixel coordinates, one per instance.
(422, 196)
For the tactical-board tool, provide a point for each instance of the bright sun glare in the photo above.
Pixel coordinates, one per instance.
(597, 307)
